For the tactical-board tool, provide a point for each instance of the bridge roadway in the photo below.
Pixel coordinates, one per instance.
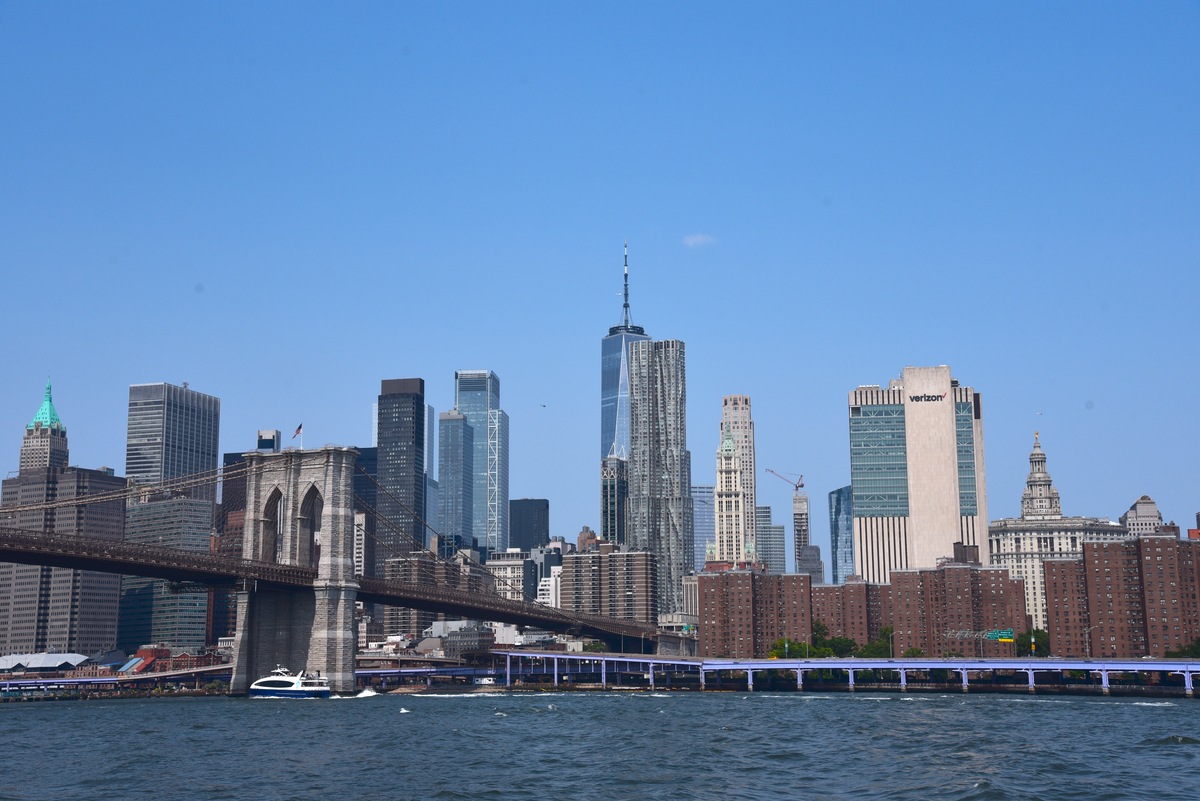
(152, 561)
(522, 662)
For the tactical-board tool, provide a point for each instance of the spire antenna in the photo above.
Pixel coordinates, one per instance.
(627, 283)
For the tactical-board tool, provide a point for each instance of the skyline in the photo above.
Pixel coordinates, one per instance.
(815, 198)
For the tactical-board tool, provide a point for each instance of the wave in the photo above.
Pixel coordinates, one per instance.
(1171, 739)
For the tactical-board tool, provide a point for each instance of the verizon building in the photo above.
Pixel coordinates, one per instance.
(916, 471)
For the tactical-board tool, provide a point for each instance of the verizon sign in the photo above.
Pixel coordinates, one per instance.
(926, 398)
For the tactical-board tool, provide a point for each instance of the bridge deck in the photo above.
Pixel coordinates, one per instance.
(151, 561)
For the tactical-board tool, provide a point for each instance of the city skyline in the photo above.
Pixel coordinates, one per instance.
(1006, 192)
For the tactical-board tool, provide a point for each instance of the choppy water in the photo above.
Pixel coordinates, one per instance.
(604, 746)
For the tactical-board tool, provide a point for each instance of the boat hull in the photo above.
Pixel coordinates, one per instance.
(286, 693)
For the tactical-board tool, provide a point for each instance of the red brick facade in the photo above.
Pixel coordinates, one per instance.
(743, 613)
(1133, 598)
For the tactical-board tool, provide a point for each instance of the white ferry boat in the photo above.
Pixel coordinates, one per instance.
(282, 683)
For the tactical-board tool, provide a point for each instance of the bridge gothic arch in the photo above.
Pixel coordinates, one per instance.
(308, 550)
(271, 543)
(305, 518)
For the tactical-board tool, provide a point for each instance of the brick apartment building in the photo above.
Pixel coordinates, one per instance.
(611, 582)
(744, 612)
(1125, 599)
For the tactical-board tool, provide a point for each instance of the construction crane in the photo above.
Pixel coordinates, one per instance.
(796, 485)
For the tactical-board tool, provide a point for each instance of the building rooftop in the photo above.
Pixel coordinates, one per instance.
(47, 415)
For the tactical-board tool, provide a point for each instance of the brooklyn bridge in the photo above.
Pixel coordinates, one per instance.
(295, 582)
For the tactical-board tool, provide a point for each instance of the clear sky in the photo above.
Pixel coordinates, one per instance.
(283, 203)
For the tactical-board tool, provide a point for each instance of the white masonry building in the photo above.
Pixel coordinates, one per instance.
(1040, 533)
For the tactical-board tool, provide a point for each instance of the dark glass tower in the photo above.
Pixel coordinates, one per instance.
(529, 520)
(456, 455)
(400, 469)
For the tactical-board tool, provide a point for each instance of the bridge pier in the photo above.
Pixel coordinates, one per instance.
(299, 511)
(903, 680)
(1104, 689)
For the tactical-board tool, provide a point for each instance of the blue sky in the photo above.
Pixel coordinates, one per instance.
(283, 203)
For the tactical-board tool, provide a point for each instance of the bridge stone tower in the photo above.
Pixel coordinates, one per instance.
(299, 511)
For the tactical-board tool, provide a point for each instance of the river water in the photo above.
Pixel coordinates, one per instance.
(617, 745)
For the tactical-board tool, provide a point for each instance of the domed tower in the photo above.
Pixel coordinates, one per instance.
(1040, 499)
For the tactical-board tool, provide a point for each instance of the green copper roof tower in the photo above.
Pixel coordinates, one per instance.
(47, 415)
(45, 442)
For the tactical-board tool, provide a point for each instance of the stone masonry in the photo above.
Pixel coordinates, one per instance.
(299, 511)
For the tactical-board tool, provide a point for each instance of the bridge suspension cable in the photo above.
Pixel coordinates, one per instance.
(467, 559)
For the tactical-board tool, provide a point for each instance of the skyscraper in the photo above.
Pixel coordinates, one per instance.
(529, 523)
(737, 423)
(841, 534)
(173, 432)
(772, 551)
(456, 476)
(733, 545)
(704, 523)
(433, 496)
(614, 496)
(614, 380)
(614, 421)
(152, 612)
(916, 471)
(44, 444)
(51, 608)
(807, 555)
(660, 465)
(400, 470)
(477, 397)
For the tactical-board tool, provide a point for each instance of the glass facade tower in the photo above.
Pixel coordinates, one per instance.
(477, 397)
(704, 522)
(841, 533)
(614, 381)
(456, 483)
(916, 471)
(173, 432)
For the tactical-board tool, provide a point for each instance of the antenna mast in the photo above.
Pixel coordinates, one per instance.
(626, 283)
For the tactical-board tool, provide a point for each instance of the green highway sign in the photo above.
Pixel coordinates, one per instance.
(1002, 635)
